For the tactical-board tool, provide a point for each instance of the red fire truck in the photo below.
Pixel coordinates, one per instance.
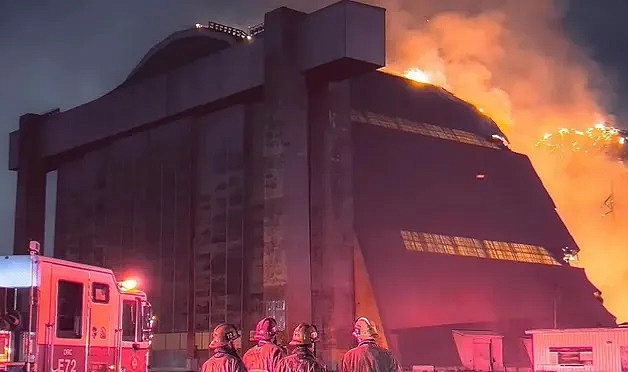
(81, 318)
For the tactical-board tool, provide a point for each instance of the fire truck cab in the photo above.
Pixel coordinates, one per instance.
(80, 318)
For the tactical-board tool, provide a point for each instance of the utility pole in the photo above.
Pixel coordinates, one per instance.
(34, 249)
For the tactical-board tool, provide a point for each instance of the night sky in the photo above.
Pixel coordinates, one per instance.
(62, 53)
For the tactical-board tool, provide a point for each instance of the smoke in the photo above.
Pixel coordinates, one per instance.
(513, 60)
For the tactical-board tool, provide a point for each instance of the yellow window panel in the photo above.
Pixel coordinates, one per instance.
(469, 247)
(461, 246)
(430, 130)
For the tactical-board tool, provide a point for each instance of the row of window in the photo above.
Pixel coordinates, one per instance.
(571, 356)
(70, 310)
(420, 128)
(455, 245)
(277, 310)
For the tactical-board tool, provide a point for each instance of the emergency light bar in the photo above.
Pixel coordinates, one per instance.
(128, 285)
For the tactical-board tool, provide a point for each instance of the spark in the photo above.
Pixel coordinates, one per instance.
(418, 75)
(598, 138)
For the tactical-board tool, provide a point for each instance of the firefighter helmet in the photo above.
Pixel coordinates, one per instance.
(304, 334)
(363, 329)
(266, 329)
(223, 335)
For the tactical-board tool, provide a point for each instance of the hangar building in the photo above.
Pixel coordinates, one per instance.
(277, 172)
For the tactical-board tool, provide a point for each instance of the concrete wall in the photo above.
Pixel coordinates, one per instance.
(255, 232)
(287, 235)
(331, 217)
(218, 239)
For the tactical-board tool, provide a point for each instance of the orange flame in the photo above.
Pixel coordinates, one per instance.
(418, 75)
(515, 65)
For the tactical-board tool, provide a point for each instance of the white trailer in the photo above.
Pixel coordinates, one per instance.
(583, 350)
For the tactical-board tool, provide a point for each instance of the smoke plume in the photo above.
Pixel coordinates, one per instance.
(513, 60)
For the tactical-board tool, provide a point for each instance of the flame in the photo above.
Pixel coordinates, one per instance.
(418, 75)
(514, 66)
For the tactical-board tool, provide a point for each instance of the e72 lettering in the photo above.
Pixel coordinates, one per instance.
(66, 365)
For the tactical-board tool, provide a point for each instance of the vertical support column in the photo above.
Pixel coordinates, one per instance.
(321, 293)
(286, 206)
(30, 205)
(192, 362)
(340, 216)
(332, 209)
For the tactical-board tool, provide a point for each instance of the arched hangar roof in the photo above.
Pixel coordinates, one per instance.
(178, 49)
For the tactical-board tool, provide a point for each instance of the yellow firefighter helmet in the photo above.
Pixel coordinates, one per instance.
(363, 329)
(223, 335)
(304, 334)
(266, 329)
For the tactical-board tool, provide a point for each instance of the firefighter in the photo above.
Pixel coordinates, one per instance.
(302, 358)
(264, 356)
(368, 356)
(225, 358)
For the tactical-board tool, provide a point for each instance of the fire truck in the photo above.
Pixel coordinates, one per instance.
(62, 316)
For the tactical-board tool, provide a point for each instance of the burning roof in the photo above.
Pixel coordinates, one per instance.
(536, 85)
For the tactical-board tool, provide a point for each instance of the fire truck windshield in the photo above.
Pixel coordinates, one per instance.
(147, 321)
(137, 321)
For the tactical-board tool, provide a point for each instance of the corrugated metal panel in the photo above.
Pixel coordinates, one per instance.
(176, 341)
(159, 342)
(606, 344)
(202, 340)
(126, 207)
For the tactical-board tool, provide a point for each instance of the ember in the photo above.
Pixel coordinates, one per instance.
(599, 139)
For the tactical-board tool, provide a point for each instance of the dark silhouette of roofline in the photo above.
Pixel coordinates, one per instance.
(222, 41)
